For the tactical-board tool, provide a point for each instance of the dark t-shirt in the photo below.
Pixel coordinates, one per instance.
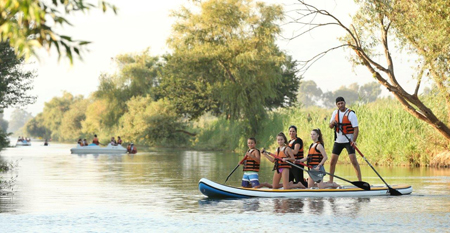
(297, 141)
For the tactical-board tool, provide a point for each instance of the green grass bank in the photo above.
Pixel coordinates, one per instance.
(388, 134)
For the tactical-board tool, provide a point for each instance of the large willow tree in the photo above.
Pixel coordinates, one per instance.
(419, 27)
(225, 60)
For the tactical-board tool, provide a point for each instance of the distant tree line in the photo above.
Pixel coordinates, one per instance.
(309, 94)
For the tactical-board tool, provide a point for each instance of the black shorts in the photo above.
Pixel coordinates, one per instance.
(338, 147)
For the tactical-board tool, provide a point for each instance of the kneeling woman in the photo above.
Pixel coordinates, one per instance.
(316, 158)
(281, 167)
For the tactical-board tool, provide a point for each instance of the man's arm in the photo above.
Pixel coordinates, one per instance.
(355, 133)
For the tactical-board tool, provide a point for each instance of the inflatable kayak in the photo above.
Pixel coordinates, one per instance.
(23, 144)
(94, 149)
(216, 190)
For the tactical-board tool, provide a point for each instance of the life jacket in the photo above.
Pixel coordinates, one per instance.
(131, 150)
(345, 124)
(314, 155)
(279, 163)
(300, 153)
(251, 164)
(95, 141)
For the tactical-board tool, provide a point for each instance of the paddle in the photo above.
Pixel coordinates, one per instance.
(235, 168)
(392, 191)
(359, 184)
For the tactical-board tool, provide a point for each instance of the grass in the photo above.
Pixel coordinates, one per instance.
(388, 134)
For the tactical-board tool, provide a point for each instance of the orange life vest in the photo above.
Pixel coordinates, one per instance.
(282, 154)
(300, 153)
(251, 164)
(345, 124)
(131, 151)
(314, 155)
(95, 141)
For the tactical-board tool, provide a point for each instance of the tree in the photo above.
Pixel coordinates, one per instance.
(137, 76)
(3, 124)
(35, 127)
(354, 93)
(420, 27)
(309, 94)
(31, 24)
(225, 60)
(152, 122)
(19, 118)
(14, 80)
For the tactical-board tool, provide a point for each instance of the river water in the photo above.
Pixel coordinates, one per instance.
(156, 190)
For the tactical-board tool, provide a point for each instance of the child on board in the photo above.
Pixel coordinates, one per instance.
(281, 167)
(251, 162)
(316, 158)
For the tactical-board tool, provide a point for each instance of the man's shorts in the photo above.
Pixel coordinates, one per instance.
(338, 147)
(250, 177)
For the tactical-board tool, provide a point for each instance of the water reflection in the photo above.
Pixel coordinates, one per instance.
(165, 182)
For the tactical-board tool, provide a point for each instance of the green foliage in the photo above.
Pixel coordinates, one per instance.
(31, 24)
(3, 123)
(388, 134)
(35, 127)
(59, 118)
(137, 76)
(149, 122)
(225, 60)
(14, 81)
(71, 124)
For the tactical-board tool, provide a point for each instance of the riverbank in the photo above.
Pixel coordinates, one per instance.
(388, 134)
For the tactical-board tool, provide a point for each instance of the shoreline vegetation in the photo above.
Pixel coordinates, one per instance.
(389, 135)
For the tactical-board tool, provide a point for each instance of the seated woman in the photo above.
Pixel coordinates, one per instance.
(119, 140)
(113, 142)
(95, 140)
(131, 149)
(80, 142)
(85, 142)
(281, 167)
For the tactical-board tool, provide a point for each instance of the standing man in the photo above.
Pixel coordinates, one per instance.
(344, 121)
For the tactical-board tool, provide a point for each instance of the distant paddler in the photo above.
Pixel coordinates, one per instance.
(131, 149)
(95, 140)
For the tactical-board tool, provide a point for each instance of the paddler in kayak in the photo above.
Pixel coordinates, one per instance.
(316, 158)
(95, 140)
(251, 162)
(281, 168)
(131, 149)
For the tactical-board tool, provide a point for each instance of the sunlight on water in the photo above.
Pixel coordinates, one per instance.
(157, 190)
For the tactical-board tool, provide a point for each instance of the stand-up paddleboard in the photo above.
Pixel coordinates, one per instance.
(216, 190)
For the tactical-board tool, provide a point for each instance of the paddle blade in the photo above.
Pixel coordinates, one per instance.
(394, 192)
(361, 185)
(316, 176)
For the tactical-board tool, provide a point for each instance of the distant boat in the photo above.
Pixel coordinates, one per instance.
(94, 149)
(21, 143)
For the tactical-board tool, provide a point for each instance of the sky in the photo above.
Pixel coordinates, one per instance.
(147, 24)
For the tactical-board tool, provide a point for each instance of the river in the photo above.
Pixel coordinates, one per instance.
(156, 190)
